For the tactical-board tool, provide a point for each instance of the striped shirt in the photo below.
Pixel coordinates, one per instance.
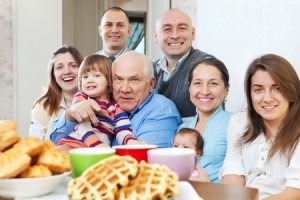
(113, 122)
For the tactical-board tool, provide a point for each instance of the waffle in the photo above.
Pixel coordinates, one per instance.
(101, 181)
(12, 163)
(152, 182)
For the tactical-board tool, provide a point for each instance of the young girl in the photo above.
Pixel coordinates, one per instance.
(192, 139)
(95, 82)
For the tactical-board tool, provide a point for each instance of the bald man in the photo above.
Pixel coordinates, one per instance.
(174, 33)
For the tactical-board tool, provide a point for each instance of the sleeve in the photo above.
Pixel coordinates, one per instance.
(82, 136)
(233, 163)
(39, 122)
(79, 97)
(293, 170)
(123, 128)
(61, 127)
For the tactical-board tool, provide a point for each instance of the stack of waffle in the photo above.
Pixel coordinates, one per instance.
(121, 177)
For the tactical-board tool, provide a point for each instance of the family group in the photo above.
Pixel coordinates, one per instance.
(121, 97)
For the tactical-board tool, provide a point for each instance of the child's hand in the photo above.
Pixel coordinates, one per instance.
(103, 145)
(64, 148)
(135, 142)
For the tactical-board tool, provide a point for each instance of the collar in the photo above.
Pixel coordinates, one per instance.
(117, 55)
(63, 103)
(162, 63)
(140, 107)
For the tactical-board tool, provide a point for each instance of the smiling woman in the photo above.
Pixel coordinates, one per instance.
(62, 85)
(268, 140)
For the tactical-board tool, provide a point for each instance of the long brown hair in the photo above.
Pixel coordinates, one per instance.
(286, 78)
(53, 95)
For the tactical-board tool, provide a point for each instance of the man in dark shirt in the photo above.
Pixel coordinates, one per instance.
(174, 34)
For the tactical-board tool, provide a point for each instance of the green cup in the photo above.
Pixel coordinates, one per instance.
(83, 158)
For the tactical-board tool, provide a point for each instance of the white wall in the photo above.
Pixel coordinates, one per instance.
(155, 8)
(238, 31)
(37, 32)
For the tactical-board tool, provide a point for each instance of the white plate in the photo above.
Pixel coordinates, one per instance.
(187, 192)
(30, 187)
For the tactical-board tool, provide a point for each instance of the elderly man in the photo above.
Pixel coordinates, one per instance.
(153, 117)
(114, 30)
(174, 34)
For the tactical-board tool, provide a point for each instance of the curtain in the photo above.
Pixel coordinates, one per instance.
(136, 36)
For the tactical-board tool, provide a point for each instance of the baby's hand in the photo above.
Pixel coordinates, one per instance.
(135, 142)
(103, 145)
(200, 175)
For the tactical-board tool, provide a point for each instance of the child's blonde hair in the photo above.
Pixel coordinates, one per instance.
(98, 63)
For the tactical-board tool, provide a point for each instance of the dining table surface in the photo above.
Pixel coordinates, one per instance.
(216, 191)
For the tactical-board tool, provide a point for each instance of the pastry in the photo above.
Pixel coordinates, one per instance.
(30, 145)
(8, 134)
(56, 161)
(101, 181)
(12, 163)
(7, 125)
(36, 171)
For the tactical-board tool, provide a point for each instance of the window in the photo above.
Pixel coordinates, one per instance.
(136, 40)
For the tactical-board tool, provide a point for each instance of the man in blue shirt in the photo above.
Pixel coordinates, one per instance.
(153, 117)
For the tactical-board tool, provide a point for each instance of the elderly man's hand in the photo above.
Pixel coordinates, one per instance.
(135, 142)
(83, 111)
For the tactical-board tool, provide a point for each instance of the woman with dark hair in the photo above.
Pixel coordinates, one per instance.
(62, 85)
(208, 87)
(266, 153)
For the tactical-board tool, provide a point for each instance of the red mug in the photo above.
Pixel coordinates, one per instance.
(139, 152)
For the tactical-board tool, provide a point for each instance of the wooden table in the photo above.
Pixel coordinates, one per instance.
(213, 191)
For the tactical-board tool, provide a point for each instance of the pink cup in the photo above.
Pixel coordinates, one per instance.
(180, 160)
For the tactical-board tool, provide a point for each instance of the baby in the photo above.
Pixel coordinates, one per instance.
(192, 139)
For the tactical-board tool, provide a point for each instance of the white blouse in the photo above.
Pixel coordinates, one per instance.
(270, 177)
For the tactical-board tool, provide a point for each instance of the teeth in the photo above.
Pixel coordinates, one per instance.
(204, 100)
(177, 44)
(269, 107)
(68, 79)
